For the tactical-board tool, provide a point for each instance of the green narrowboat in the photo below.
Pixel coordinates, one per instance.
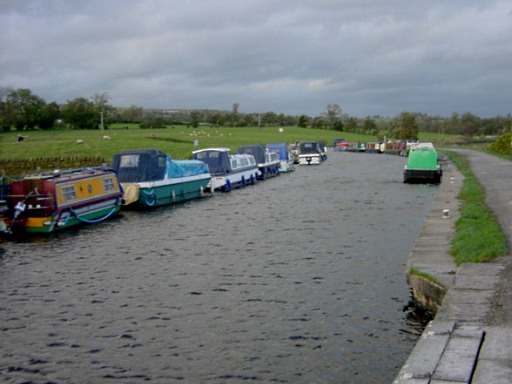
(423, 167)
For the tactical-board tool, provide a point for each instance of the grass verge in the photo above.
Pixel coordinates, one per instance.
(478, 236)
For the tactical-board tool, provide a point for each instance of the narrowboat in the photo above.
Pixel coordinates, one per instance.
(395, 147)
(227, 171)
(356, 147)
(423, 166)
(310, 153)
(151, 178)
(50, 202)
(284, 155)
(373, 147)
(268, 163)
(339, 144)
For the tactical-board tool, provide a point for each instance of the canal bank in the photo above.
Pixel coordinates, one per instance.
(469, 339)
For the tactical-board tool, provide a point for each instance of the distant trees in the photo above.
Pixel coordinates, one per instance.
(234, 114)
(334, 117)
(303, 120)
(408, 128)
(80, 113)
(50, 115)
(133, 114)
(370, 127)
(20, 109)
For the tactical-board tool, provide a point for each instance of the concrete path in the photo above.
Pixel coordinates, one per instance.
(470, 339)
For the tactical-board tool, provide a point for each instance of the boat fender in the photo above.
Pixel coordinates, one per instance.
(131, 193)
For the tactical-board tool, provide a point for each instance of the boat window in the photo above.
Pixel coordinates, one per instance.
(244, 162)
(129, 161)
(108, 184)
(69, 193)
(233, 164)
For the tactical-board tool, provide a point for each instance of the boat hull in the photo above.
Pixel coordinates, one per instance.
(422, 176)
(268, 170)
(225, 183)
(310, 159)
(67, 218)
(156, 194)
(286, 166)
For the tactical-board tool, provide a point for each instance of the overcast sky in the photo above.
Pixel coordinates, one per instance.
(371, 57)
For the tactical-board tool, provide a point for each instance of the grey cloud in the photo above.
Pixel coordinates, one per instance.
(370, 57)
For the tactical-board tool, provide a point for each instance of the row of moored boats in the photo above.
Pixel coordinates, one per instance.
(423, 163)
(48, 202)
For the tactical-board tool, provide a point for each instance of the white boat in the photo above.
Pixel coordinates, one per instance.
(310, 153)
(284, 154)
(228, 171)
(268, 163)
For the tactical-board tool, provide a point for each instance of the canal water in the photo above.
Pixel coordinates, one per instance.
(298, 279)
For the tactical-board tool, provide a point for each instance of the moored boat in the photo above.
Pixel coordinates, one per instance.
(340, 144)
(295, 148)
(323, 149)
(373, 147)
(423, 166)
(268, 163)
(356, 147)
(151, 178)
(284, 154)
(395, 147)
(227, 171)
(49, 202)
(310, 153)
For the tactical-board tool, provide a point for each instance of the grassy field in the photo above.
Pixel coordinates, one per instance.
(178, 141)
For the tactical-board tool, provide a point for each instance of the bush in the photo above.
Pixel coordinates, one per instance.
(502, 144)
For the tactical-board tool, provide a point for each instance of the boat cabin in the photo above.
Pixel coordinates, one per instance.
(227, 170)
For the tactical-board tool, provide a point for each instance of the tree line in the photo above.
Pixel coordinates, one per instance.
(21, 110)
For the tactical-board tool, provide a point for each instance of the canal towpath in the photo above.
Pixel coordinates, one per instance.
(470, 337)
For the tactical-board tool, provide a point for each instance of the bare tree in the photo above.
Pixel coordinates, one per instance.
(234, 114)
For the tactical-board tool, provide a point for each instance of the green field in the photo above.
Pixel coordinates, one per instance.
(178, 141)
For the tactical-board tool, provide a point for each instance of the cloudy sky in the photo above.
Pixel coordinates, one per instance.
(371, 57)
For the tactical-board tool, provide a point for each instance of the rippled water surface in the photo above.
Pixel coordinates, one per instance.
(299, 279)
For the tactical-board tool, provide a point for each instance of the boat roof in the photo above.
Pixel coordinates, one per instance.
(148, 151)
(277, 145)
(218, 149)
(68, 173)
(257, 150)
